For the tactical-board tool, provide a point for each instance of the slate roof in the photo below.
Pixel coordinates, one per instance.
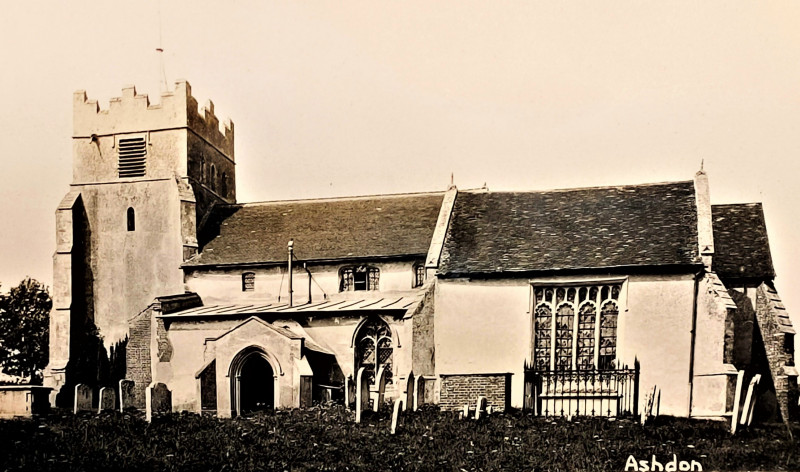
(741, 247)
(323, 229)
(600, 227)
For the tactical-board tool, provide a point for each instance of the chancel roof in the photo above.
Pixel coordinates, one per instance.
(585, 228)
(324, 229)
(741, 247)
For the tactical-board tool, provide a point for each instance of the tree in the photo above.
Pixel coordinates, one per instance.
(25, 329)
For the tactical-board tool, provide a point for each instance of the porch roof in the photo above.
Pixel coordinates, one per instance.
(398, 305)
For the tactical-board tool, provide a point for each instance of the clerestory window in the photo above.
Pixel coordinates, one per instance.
(419, 274)
(575, 328)
(248, 282)
(359, 278)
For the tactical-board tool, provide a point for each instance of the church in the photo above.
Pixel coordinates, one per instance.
(563, 302)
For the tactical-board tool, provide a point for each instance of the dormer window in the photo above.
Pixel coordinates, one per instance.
(359, 278)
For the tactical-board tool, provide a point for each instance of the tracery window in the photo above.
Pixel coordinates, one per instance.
(359, 278)
(373, 349)
(575, 328)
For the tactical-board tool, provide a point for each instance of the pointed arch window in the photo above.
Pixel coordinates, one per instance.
(575, 328)
(213, 178)
(131, 219)
(224, 185)
(374, 348)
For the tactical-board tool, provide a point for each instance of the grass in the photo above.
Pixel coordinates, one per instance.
(326, 438)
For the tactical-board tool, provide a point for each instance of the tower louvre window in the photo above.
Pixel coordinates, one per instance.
(132, 154)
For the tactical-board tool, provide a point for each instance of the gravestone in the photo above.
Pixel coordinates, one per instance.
(126, 396)
(362, 394)
(419, 392)
(107, 399)
(749, 401)
(83, 398)
(347, 389)
(398, 404)
(737, 401)
(380, 388)
(465, 412)
(409, 391)
(158, 400)
(480, 405)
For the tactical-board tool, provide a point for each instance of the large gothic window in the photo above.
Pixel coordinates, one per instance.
(575, 328)
(373, 349)
(359, 278)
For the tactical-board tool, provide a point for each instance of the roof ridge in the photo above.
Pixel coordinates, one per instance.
(342, 198)
(575, 189)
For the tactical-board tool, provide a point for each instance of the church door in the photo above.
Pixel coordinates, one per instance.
(256, 385)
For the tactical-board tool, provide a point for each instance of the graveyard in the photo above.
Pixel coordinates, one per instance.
(326, 437)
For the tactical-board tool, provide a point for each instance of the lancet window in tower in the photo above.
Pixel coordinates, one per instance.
(575, 328)
(131, 219)
(132, 154)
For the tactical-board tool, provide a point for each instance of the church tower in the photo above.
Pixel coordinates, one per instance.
(144, 179)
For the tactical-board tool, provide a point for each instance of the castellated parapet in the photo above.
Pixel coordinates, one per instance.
(132, 113)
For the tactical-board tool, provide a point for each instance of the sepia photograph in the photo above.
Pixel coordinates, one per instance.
(362, 236)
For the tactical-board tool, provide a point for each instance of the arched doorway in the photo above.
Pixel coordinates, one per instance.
(253, 382)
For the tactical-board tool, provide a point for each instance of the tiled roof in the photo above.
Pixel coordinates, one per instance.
(339, 228)
(741, 247)
(638, 225)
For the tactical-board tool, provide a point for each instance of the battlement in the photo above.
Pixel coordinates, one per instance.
(133, 113)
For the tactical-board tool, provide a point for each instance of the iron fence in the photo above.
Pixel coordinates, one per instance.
(595, 392)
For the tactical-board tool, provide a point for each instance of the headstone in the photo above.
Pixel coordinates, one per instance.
(737, 398)
(409, 391)
(380, 388)
(362, 394)
(126, 396)
(158, 400)
(749, 401)
(83, 398)
(465, 412)
(419, 392)
(107, 399)
(398, 404)
(480, 405)
(489, 410)
(347, 393)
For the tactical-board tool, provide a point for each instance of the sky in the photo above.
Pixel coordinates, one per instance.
(333, 98)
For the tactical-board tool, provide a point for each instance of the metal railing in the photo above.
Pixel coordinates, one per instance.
(596, 392)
